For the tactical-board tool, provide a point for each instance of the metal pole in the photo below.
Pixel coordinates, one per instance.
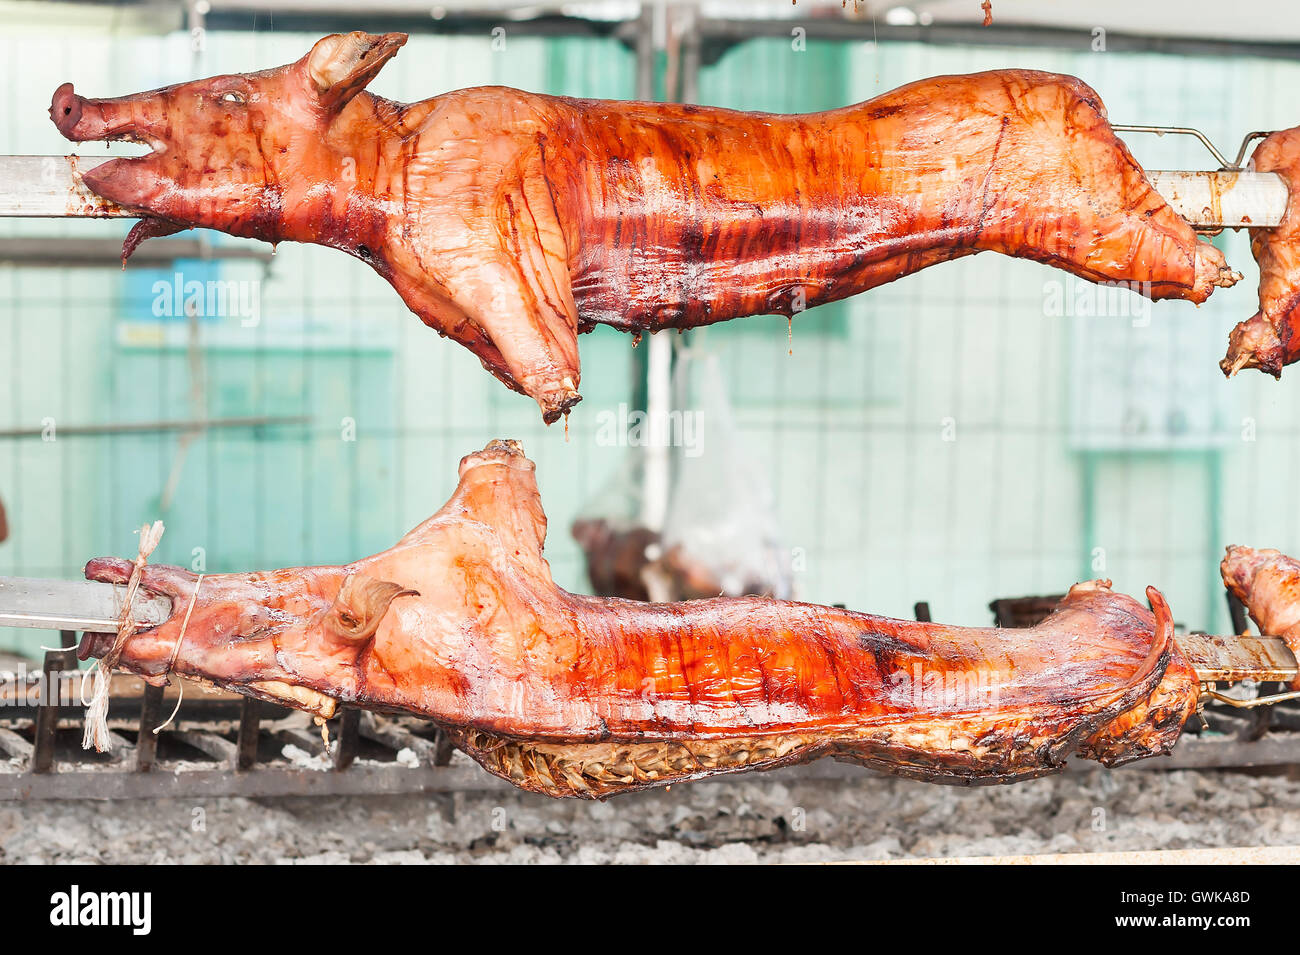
(657, 478)
(645, 54)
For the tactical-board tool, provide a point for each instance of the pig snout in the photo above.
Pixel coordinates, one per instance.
(66, 109)
(80, 119)
(95, 645)
(162, 579)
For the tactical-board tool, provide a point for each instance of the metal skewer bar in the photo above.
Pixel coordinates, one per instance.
(1229, 197)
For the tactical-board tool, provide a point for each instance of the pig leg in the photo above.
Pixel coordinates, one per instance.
(1086, 205)
(520, 294)
(422, 291)
(503, 496)
(1269, 340)
(534, 334)
(486, 262)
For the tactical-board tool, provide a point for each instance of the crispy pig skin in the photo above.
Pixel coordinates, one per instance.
(461, 623)
(1268, 339)
(512, 221)
(1153, 726)
(1268, 583)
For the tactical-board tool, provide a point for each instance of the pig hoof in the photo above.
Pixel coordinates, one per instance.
(556, 406)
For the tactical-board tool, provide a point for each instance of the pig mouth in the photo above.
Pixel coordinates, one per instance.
(133, 182)
(128, 181)
(136, 138)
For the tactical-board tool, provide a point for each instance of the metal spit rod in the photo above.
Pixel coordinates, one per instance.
(51, 187)
(81, 605)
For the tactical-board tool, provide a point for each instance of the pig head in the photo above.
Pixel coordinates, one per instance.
(382, 632)
(423, 193)
(292, 636)
(256, 155)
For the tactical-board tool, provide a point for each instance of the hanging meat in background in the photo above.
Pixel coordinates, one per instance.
(1271, 338)
(616, 556)
(4, 524)
(561, 694)
(512, 221)
(630, 561)
(716, 533)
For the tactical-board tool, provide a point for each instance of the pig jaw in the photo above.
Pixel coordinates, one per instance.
(134, 183)
(141, 657)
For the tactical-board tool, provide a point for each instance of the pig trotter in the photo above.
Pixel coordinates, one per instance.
(1269, 340)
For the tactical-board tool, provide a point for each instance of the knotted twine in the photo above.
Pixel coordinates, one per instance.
(176, 651)
(96, 732)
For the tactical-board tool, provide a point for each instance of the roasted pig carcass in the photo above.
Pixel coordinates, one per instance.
(461, 623)
(1268, 583)
(512, 221)
(1269, 339)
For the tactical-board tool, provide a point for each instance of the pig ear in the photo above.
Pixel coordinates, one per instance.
(341, 65)
(360, 606)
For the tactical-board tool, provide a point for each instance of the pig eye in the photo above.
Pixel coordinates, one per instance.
(232, 97)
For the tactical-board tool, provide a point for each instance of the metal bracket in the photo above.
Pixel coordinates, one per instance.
(1237, 165)
(1229, 197)
(1207, 690)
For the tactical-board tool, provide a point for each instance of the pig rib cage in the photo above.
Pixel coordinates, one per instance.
(224, 745)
